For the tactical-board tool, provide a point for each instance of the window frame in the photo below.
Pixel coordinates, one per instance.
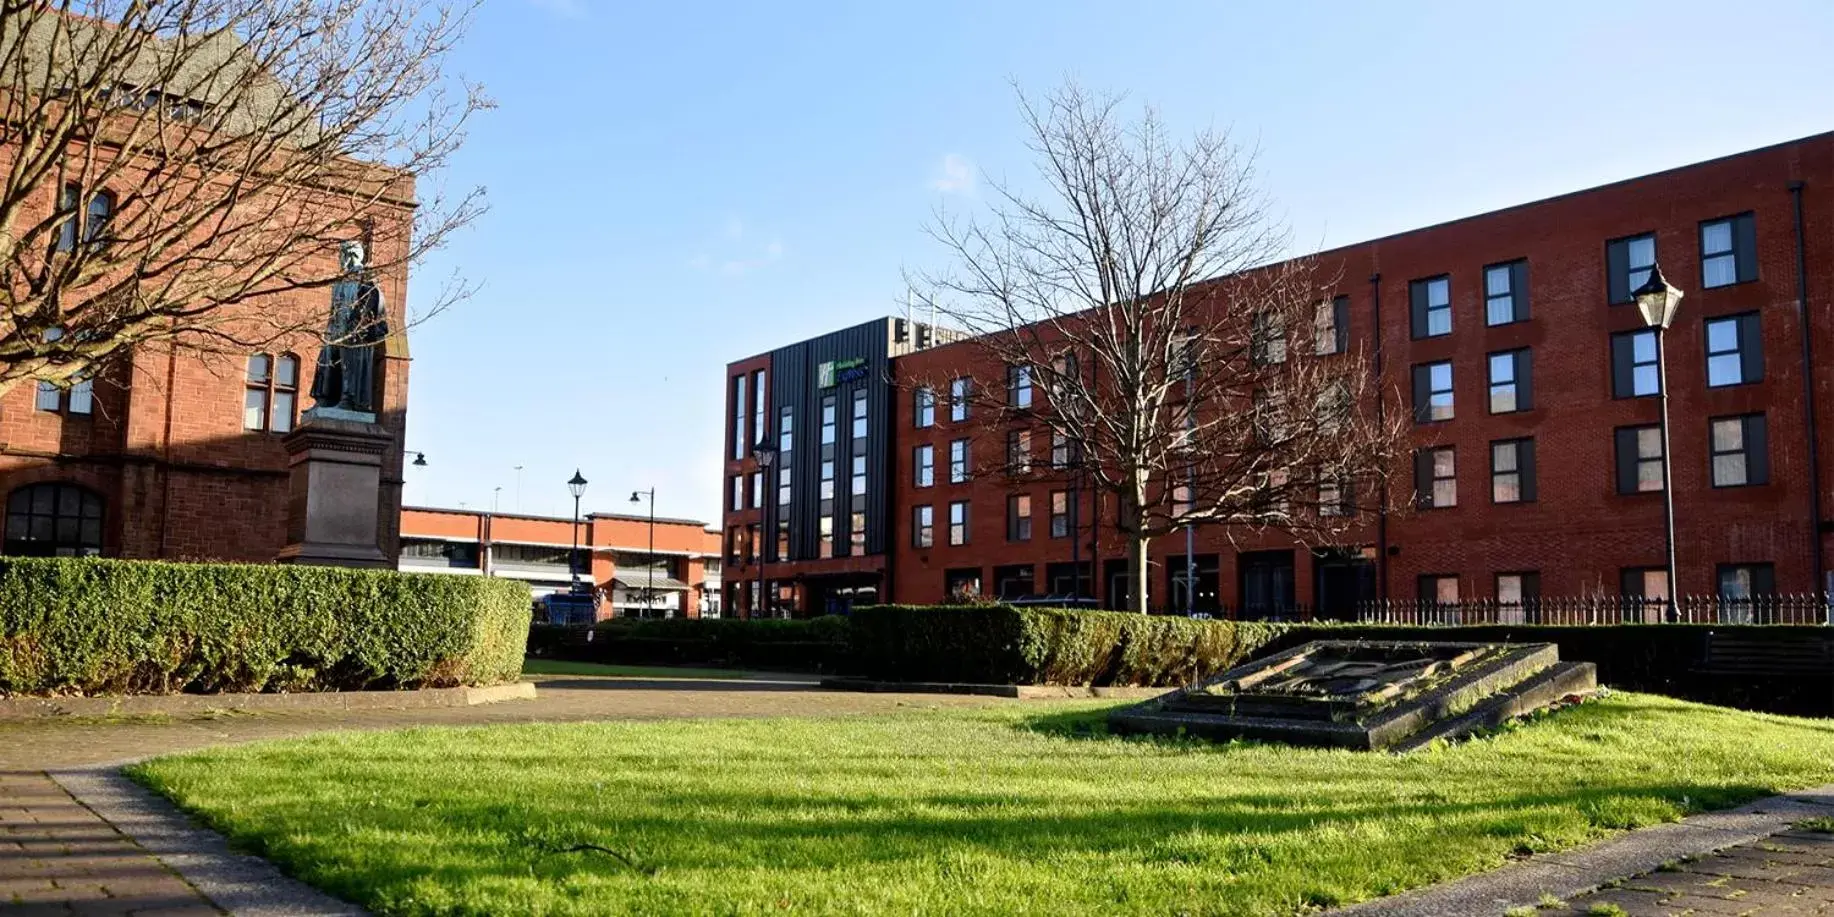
(1748, 348)
(1631, 434)
(1523, 453)
(1331, 338)
(1425, 390)
(1436, 579)
(923, 526)
(1020, 386)
(1516, 271)
(1619, 288)
(1427, 477)
(1060, 513)
(1753, 428)
(923, 408)
(1741, 231)
(958, 530)
(961, 388)
(1624, 363)
(1421, 308)
(1019, 524)
(960, 461)
(923, 465)
(270, 390)
(1522, 379)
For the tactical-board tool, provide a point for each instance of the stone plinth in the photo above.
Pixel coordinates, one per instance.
(334, 493)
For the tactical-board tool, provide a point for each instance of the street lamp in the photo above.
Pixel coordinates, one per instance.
(1658, 301)
(577, 485)
(766, 455)
(649, 591)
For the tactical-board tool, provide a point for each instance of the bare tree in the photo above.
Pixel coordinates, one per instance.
(1132, 311)
(166, 161)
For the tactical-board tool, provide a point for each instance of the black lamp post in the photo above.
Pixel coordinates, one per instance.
(1658, 301)
(766, 454)
(577, 485)
(649, 591)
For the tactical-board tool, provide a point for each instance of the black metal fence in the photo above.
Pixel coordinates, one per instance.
(1570, 611)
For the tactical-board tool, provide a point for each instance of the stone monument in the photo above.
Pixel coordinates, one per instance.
(334, 456)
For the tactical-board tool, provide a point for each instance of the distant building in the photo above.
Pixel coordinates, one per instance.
(681, 579)
(1511, 340)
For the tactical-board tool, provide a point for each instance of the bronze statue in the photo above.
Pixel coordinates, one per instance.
(345, 377)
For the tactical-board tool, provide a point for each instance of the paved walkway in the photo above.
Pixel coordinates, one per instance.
(1788, 873)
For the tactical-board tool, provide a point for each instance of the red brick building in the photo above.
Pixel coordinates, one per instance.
(1511, 339)
(680, 578)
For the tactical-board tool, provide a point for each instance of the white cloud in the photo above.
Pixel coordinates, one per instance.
(954, 175)
(565, 9)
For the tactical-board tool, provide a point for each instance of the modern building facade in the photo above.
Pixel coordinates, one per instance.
(680, 578)
(1511, 341)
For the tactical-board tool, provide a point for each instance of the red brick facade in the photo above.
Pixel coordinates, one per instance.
(1579, 533)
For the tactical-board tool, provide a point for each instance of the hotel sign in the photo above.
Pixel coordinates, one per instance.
(835, 372)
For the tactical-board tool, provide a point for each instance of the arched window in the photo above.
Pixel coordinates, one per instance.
(53, 520)
(272, 393)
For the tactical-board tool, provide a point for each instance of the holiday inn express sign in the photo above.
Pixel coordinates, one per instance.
(835, 372)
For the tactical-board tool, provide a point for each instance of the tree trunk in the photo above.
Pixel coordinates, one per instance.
(1137, 571)
(1133, 522)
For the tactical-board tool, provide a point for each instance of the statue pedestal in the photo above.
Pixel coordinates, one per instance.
(334, 493)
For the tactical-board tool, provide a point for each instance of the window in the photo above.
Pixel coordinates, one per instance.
(53, 520)
(272, 389)
(1060, 451)
(1267, 339)
(1019, 386)
(757, 490)
(958, 522)
(923, 526)
(1019, 452)
(1627, 264)
(1728, 251)
(1430, 302)
(959, 390)
(923, 462)
(786, 427)
(1739, 584)
(961, 584)
(1506, 293)
(1512, 386)
(1634, 370)
(1639, 459)
(1649, 584)
(1436, 477)
(859, 417)
(78, 399)
(1512, 589)
(1019, 517)
(1013, 582)
(1740, 453)
(90, 224)
(757, 409)
(1060, 514)
(1439, 588)
(1331, 326)
(1512, 471)
(786, 417)
(1064, 372)
(1433, 392)
(1735, 351)
(958, 461)
(924, 403)
(1334, 496)
(740, 448)
(737, 483)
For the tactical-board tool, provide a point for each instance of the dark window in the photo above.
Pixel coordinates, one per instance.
(1728, 251)
(85, 220)
(1439, 588)
(757, 490)
(923, 526)
(1267, 339)
(1436, 477)
(1627, 264)
(740, 448)
(1506, 293)
(1741, 454)
(959, 392)
(1335, 496)
(53, 520)
(737, 485)
(1019, 517)
(958, 522)
(1430, 303)
(1432, 392)
(1332, 327)
(1639, 459)
(1019, 386)
(1739, 585)
(1014, 582)
(1735, 351)
(923, 464)
(1512, 471)
(435, 552)
(1634, 369)
(962, 584)
(1649, 584)
(1514, 591)
(271, 393)
(1512, 382)
(757, 413)
(1019, 452)
(1060, 514)
(924, 407)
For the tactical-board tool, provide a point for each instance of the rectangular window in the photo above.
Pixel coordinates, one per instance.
(1506, 293)
(958, 399)
(1019, 452)
(1634, 370)
(923, 526)
(1436, 477)
(1060, 514)
(1639, 459)
(856, 478)
(1512, 471)
(1430, 303)
(1512, 386)
(924, 407)
(1267, 339)
(1060, 451)
(1334, 497)
(1331, 327)
(1433, 392)
(1741, 455)
(859, 416)
(785, 427)
(1735, 351)
(1019, 517)
(1513, 589)
(923, 463)
(1439, 588)
(738, 492)
(740, 448)
(1728, 251)
(958, 522)
(51, 398)
(1643, 583)
(757, 490)
(1019, 386)
(757, 408)
(1627, 265)
(958, 461)
(83, 393)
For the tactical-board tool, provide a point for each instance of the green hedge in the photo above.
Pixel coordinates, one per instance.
(998, 644)
(93, 626)
(812, 645)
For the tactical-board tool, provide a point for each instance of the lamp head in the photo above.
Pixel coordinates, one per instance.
(577, 484)
(420, 460)
(765, 453)
(1657, 299)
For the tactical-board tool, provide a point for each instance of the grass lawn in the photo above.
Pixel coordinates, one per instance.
(559, 667)
(1014, 809)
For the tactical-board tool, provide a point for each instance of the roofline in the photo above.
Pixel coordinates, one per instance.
(452, 511)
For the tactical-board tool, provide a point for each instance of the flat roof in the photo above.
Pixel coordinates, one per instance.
(565, 520)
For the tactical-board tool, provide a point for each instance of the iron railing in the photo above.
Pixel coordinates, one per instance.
(1800, 608)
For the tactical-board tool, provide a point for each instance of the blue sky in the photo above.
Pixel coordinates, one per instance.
(677, 185)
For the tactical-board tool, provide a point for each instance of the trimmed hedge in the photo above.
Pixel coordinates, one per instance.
(811, 645)
(94, 626)
(998, 644)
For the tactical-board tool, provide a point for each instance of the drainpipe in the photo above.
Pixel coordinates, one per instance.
(1375, 293)
(1808, 387)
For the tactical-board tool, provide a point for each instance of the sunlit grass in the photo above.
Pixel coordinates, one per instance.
(1017, 809)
